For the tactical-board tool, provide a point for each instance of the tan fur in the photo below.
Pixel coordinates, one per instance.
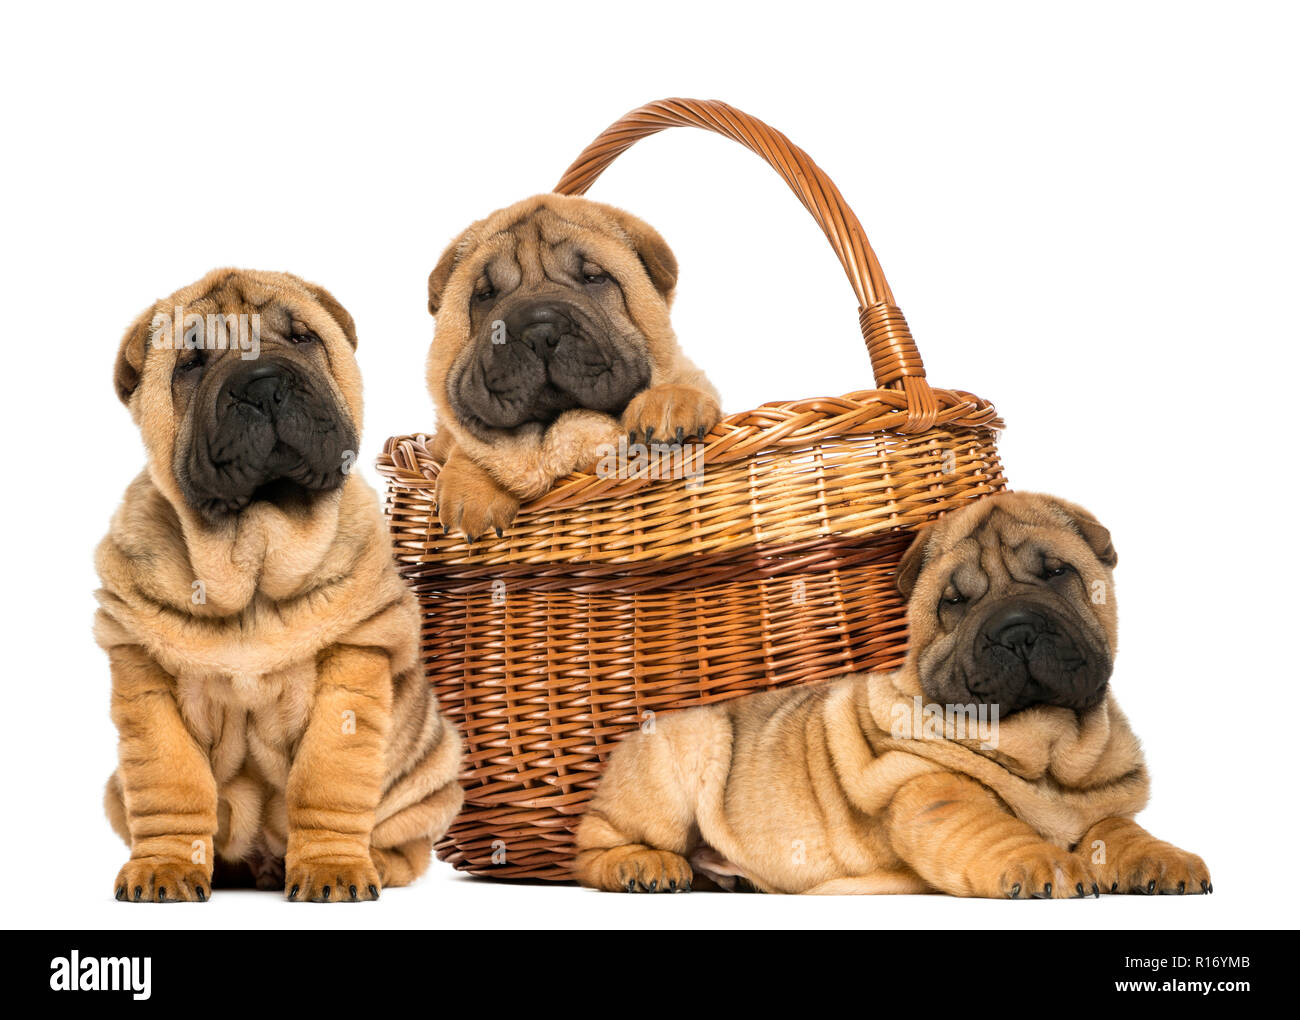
(482, 481)
(285, 714)
(822, 790)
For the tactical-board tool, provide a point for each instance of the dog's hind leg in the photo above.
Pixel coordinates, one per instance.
(633, 867)
(115, 807)
(419, 806)
(402, 842)
(642, 826)
(402, 865)
(897, 883)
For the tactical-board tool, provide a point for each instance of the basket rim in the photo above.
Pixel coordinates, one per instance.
(407, 462)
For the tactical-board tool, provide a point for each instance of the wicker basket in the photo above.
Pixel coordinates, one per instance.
(614, 598)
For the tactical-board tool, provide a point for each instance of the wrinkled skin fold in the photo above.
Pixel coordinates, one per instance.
(275, 726)
(879, 783)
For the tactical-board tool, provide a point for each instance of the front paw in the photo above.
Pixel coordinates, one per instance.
(339, 880)
(162, 880)
(673, 413)
(1045, 872)
(471, 502)
(1155, 868)
(636, 869)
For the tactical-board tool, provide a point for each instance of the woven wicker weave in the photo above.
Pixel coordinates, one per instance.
(612, 598)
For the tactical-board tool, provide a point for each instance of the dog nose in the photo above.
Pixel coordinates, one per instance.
(1015, 628)
(264, 386)
(540, 336)
(540, 326)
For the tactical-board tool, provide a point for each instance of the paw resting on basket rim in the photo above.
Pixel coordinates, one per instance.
(471, 502)
(671, 413)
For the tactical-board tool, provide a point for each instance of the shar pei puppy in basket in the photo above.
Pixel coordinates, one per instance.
(552, 342)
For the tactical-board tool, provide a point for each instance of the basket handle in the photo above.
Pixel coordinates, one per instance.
(895, 361)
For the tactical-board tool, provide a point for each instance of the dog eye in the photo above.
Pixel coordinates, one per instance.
(1057, 571)
(485, 293)
(193, 360)
(305, 336)
(954, 600)
(594, 275)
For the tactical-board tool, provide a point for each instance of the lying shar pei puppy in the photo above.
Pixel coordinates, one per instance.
(995, 762)
(552, 341)
(273, 715)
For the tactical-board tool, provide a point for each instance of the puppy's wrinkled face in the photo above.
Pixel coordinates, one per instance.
(536, 311)
(240, 392)
(1011, 604)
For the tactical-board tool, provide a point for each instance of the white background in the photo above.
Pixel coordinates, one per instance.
(1089, 215)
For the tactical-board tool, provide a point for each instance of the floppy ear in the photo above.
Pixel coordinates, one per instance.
(1093, 531)
(659, 261)
(909, 568)
(337, 312)
(130, 355)
(442, 272)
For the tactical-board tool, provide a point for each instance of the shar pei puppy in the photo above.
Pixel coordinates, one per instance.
(275, 725)
(995, 762)
(552, 342)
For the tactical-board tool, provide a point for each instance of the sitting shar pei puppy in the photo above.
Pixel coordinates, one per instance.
(274, 720)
